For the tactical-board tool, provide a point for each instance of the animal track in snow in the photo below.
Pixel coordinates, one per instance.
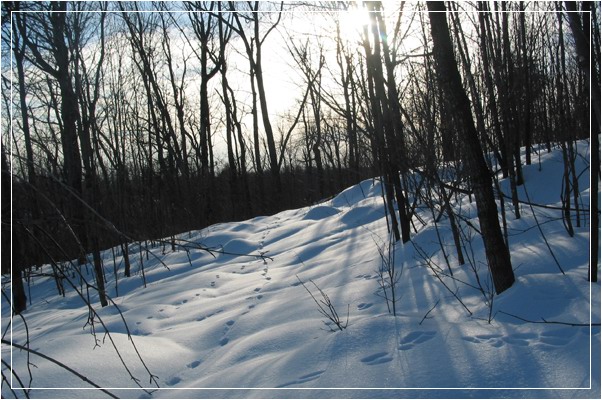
(194, 364)
(363, 306)
(302, 379)
(520, 339)
(174, 381)
(415, 338)
(558, 337)
(494, 340)
(377, 358)
(224, 341)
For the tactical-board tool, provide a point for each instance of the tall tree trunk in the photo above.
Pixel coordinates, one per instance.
(590, 68)
(498, 255)
(527, 100)
(19, 300)
(377, 104)
(398, 157)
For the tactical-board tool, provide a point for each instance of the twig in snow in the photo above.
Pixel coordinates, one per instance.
(428, 312)
(325, 307)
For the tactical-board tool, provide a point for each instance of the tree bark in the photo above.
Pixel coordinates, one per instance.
(497, 253)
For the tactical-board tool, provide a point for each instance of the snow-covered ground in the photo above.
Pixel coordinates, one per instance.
(227, 325)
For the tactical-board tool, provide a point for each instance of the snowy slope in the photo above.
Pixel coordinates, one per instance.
(233, 325)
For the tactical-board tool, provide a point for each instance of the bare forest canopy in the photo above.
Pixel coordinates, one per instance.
(126, 121)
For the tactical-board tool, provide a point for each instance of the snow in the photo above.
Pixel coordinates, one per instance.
(237, 322)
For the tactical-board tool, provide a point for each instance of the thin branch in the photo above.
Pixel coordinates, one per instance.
(544, 321)
(428, 312)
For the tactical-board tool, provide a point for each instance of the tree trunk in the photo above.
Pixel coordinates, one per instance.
(498, 256)
(19, 301)
(589, 67)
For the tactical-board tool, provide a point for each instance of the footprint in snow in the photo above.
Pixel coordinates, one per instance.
(494, 340)
(415, 338)
(230, 323)
(256, 289)
(377, 358)
(194, 364)
(520, 339)
(557, 337)
(363, 306)
(302, 379)
(174, 381)
(224, 341)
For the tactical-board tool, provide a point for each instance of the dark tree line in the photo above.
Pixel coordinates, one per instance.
(135, 125)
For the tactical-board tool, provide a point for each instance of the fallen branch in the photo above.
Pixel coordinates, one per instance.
(545, 321)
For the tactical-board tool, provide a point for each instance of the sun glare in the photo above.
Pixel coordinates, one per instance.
(353, 21)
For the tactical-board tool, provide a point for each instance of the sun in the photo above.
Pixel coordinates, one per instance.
(353, 20)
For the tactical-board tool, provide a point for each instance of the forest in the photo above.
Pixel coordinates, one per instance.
(204, 185)
(131, 122)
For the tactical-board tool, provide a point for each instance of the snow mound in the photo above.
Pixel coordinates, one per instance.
(349, 197)
(320, 212)
(363, 215)
(240, 246)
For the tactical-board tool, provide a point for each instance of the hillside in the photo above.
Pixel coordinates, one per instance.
(238, 320)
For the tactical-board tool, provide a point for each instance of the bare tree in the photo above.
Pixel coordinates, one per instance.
(253, 42)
